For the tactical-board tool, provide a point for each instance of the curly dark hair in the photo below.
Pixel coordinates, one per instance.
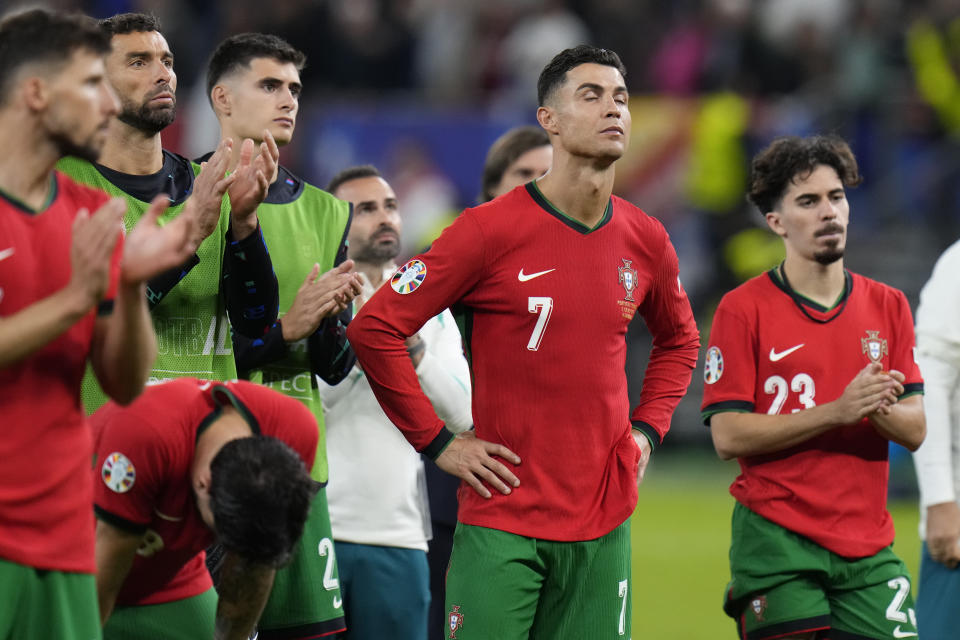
(260, 495)
(554, 74)
(788, 158)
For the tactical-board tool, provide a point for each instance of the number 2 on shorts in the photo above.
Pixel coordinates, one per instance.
(325, 549)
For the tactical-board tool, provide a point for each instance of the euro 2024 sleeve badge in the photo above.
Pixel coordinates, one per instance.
(409, 277)
(118, 472)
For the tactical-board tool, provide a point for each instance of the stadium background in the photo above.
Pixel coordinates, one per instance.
(422, 87)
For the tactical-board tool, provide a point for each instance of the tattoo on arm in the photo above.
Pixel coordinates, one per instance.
(244, 588)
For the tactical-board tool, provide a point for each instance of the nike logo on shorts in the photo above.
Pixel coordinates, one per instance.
(6, 253)
(774, 356)
(897, 633)
(523, 277)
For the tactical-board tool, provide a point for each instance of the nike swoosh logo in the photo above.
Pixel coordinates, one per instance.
(337, 602)
(523, 277)
(6, 253)
(897, 633)
(774, 356)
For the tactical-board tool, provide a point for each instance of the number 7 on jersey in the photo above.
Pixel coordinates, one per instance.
(544, 306)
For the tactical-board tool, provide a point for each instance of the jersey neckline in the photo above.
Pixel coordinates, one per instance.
(806, 305)
(576, 225)
(23, 206)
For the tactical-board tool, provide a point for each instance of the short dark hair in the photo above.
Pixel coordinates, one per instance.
(124, 23)
(353, 173)
(260, 494)
(40, 36)
(790, 157)
(239, 50)
(505, 151)
(555, 73)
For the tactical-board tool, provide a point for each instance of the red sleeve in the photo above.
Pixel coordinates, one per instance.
(903, 358)
(676, 343)
(128, 472)
(449, 270)
(729, 369)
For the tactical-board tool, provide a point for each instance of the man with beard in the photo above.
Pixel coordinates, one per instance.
(188, 303)
(71, 290)
(253, 83)
(377, 493)
(809, 375)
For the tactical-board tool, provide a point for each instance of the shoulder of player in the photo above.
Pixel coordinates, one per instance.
(277, 415)
(874, 288)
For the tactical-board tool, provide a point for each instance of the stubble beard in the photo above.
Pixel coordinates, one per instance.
(828, 255)
(143, 117)
(88, 149)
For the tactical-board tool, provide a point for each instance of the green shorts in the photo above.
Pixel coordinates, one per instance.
(188, 619)
(38, 603)
(305, 601)
(783, 584)
(501, 585)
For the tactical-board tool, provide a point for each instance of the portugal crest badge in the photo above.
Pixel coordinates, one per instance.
(628, 278)
(456, 621)
(874, 346)
(118, 472)
(758, 605)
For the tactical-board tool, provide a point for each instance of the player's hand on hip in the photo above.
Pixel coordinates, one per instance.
(472, 460)
(204, 204)
(871, 390)
(94, 238)
(151, 249)
(645, 451)
(254, 176)
(943, 533)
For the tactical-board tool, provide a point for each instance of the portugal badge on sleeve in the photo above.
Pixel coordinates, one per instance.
(409, 277)
(118, 472)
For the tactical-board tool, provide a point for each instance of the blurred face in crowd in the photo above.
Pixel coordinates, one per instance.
(140, 69)
(264, 96)
(79, 105)
(530, 165)
(374, 235)
(812, 216)
(589, 112)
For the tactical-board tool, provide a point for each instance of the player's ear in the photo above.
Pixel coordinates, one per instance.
(220, 99)
(36, 94)
(547, 118)
(775, 224)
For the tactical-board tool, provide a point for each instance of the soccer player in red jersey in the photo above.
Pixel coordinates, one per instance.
(71, 290)
(191, 461)
(809, 374)
(544, 280)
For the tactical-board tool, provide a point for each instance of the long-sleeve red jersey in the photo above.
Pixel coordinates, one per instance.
(543, 304)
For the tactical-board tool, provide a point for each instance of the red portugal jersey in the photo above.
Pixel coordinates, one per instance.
(773, 351)
(45, 490)
(142, 474)
(543, 304)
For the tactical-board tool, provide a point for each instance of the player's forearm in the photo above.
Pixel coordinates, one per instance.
(115, 551)
(243, 591)
(905, 424)
(124, 354)
(933, 460)
(665, 382)
(740, 435)
(250, 284)
(33, 327)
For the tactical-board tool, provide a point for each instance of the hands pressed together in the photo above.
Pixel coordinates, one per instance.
(872, 391)
(320, 298)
